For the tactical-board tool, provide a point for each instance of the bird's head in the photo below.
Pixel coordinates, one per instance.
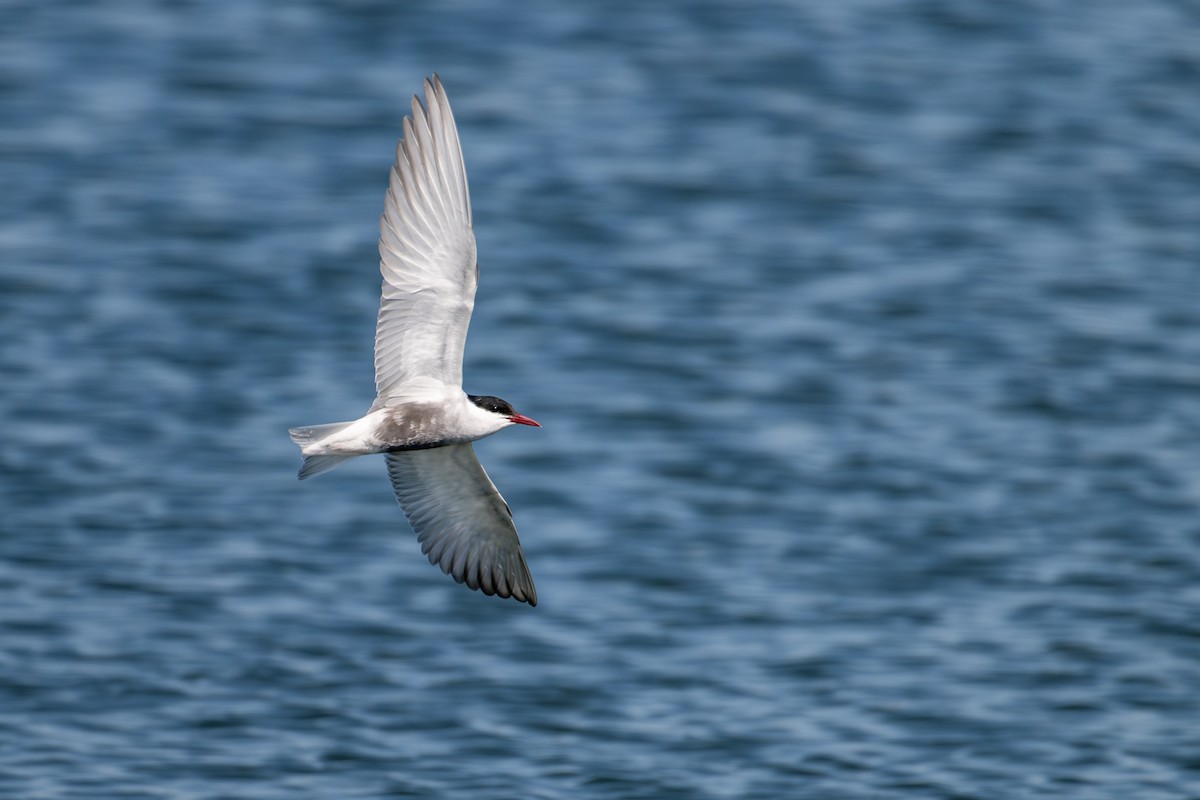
(502, 408)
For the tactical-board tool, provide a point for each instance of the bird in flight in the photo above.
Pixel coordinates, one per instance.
(422, 420)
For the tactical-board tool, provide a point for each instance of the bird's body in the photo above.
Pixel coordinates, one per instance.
(444, 416)
(421, 418)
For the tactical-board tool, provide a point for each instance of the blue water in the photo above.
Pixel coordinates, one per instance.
(866, 339)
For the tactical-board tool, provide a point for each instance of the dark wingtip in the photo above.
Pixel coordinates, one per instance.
(522, 593)
(522, 590)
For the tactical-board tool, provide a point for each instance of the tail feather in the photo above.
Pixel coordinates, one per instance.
(313, 433)
(315, 465)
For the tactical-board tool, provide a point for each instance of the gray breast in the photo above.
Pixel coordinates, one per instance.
(413, 427)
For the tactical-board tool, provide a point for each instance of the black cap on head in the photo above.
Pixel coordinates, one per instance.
(493, 404)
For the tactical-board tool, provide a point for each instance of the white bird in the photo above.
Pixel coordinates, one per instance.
(421, 419)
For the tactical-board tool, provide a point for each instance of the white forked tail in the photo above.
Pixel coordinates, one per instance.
(311, 435)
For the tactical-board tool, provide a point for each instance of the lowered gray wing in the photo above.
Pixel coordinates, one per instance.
(463, 524)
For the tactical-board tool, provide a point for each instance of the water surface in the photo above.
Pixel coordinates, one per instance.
(866, 339)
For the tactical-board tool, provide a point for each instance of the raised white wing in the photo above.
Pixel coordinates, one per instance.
(463, 524)
(427, 252)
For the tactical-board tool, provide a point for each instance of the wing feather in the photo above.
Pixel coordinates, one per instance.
(427, 252)
(463, 524)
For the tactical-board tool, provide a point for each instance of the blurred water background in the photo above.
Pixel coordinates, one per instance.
(866, 339)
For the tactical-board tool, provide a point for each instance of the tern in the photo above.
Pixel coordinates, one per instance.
(422, 420)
